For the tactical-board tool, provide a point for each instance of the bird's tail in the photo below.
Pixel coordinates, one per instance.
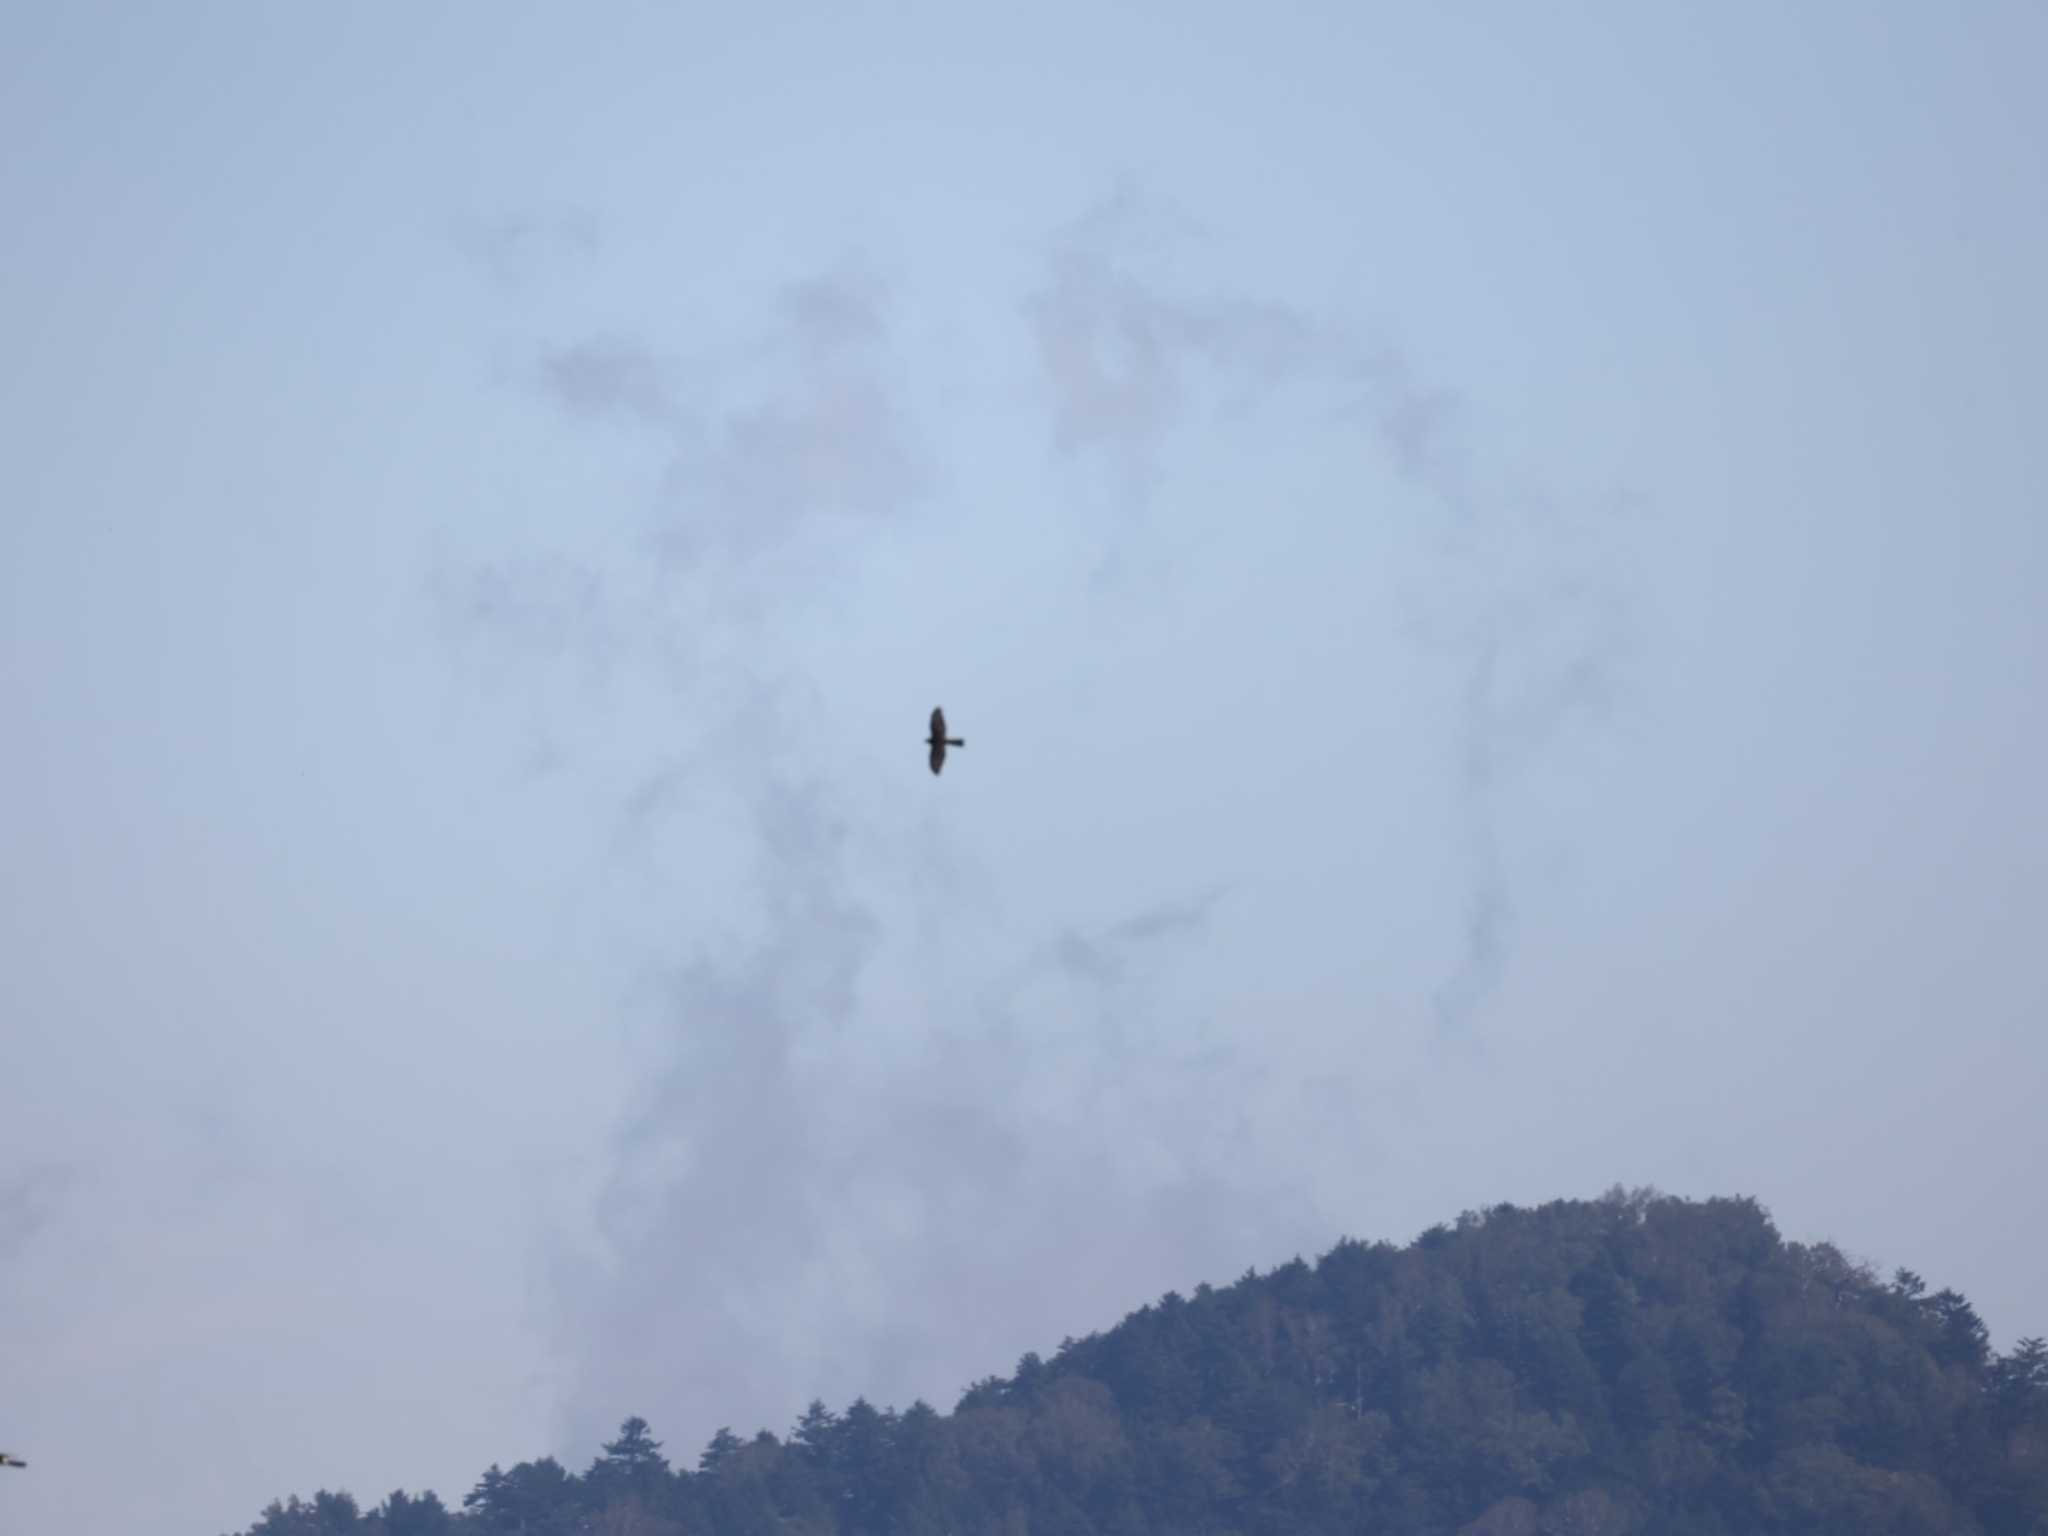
(956, 741)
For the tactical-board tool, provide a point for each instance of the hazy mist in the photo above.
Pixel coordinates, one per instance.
(1490, 565)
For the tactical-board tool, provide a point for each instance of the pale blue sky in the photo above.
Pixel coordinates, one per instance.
(488, 498)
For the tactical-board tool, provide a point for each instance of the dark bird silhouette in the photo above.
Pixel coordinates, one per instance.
(11, 1461)
(939, 740)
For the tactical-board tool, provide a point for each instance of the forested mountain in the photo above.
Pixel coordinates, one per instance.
(1632, 1364)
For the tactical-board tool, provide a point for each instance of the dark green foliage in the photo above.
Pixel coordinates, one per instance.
(536, 1498)
(1620, 1367)
(329, 1514)
(724, 1447)
(631, 1471)
(402, 1515)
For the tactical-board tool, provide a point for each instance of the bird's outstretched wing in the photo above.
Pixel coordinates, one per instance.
(938, 753)
(938, 725)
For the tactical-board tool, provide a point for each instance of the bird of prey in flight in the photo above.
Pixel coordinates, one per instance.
(11, 1461)
(939, 740)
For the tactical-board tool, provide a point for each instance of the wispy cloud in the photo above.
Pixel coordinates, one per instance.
(832, 1143)
(848, 1119)
(29, 1201)
(1124, 359)
(1104, 956)
(814, 1197)
(762, 451)
(527, 631)
(801, 428)
(826, 439)
(516, 249)
(609, 376)
(1533, 614)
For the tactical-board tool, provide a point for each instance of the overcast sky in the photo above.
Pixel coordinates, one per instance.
(1491, 568)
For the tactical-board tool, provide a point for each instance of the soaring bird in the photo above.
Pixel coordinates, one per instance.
(939, 740)
(11, 1461)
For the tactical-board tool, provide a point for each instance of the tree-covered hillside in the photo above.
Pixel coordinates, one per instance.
(1633, 1364)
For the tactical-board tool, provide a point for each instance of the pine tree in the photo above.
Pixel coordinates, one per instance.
(404, 1515)
(632, 1467)
(723, 1447)
(816, 1433)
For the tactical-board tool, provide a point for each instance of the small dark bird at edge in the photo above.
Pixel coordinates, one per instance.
(939, 740)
